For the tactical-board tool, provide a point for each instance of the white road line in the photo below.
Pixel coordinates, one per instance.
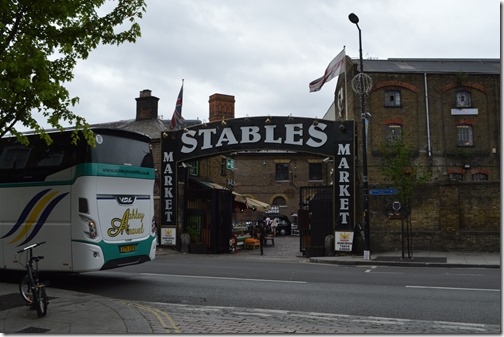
(223, 278)
(453, 288)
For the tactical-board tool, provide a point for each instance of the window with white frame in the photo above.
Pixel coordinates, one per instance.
(392, 98)
(464, 135)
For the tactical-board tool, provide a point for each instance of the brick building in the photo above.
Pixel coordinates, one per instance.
(449, 110)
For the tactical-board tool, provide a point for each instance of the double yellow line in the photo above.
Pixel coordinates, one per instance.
(164, 318)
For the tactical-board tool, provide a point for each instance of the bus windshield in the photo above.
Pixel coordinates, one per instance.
(121, 151)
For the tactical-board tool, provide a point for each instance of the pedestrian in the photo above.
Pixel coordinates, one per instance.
(267, 220)
(274, 225)
(261, 235)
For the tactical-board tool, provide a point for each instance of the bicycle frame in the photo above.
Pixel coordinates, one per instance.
(30, 283)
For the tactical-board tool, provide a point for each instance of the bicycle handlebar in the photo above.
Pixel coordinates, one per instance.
(31, 246)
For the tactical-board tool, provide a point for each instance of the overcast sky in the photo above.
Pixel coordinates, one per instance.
(266, 52)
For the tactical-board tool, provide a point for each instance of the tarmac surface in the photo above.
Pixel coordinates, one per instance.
(71, 312)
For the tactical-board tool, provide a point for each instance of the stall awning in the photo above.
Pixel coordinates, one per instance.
(210, 184)
(252, 203)
(240, 198)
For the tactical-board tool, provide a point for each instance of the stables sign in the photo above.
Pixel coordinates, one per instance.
(329, 138)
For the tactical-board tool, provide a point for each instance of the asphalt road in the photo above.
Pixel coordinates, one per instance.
(431, 294)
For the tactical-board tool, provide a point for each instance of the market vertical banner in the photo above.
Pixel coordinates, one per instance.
(344, 194)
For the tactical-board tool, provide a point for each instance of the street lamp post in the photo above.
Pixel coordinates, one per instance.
(363, 85)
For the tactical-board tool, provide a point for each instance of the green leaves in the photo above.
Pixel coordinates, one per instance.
(40, 43)
(400, 169)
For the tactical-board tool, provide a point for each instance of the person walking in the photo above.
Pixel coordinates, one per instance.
(261, 235)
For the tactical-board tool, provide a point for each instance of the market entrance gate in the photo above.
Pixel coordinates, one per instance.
(329, 138)
(315, 219)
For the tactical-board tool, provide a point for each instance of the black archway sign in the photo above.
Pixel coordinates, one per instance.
(330, 138)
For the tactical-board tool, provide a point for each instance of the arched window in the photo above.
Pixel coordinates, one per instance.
(479, 177)
(393, 132)
(279, 201)
(456, 176)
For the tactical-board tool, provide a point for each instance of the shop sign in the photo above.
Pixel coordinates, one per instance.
(169, 236)
(324, 137)
(343, 241)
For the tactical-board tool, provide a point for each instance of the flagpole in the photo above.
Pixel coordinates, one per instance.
(346, 100)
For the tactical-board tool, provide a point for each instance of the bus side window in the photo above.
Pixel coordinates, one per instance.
(14, 157)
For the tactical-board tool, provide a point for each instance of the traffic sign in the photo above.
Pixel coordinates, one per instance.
(383, 191)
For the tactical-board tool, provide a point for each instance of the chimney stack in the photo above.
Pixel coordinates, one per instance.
(147, 106)
(221, 107)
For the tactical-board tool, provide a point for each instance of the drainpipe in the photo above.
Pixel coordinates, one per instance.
(429, 150)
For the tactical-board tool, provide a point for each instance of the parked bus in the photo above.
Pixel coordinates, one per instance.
(93, 206)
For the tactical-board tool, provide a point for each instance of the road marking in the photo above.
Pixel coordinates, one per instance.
(452, 288)
(369, 270)
(453, 274)
(159, 315)
(258, 314)
(381, 321)
(223, 278)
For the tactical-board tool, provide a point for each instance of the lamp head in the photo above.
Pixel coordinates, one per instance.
(353, 18)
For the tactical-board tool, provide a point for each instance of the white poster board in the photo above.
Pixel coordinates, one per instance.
(343, 241)
(168, 236)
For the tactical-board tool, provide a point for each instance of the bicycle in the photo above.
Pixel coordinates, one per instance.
(30, 287)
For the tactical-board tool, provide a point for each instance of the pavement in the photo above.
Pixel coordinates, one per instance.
(72, 312)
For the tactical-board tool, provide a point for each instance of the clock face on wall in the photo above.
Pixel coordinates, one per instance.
(463, 99)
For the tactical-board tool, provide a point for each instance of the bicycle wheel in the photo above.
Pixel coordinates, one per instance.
(42, 301)
(25, 290)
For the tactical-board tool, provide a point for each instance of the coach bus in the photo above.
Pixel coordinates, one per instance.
(93, 206)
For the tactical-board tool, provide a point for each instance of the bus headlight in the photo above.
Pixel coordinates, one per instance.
(92, 233)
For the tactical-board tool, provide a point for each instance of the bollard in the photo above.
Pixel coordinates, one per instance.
(184, 242)
(329, 245)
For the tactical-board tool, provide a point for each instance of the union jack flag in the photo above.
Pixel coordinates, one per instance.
(177, 120)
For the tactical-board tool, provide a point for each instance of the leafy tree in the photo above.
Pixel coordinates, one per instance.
(400, 169)
(40, 43)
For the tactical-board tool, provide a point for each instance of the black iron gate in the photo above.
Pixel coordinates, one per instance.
(315, 218)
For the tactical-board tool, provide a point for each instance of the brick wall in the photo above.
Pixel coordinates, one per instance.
(445, 217)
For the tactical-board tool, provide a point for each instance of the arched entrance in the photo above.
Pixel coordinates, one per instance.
(329, 138)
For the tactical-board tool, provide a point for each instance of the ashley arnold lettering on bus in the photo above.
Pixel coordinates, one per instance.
(207, 139)
(121, 225)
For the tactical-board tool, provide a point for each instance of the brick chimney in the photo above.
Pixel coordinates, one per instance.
(221, 106)
(147, 106)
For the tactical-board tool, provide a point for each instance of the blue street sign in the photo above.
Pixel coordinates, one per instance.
(383, 191)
